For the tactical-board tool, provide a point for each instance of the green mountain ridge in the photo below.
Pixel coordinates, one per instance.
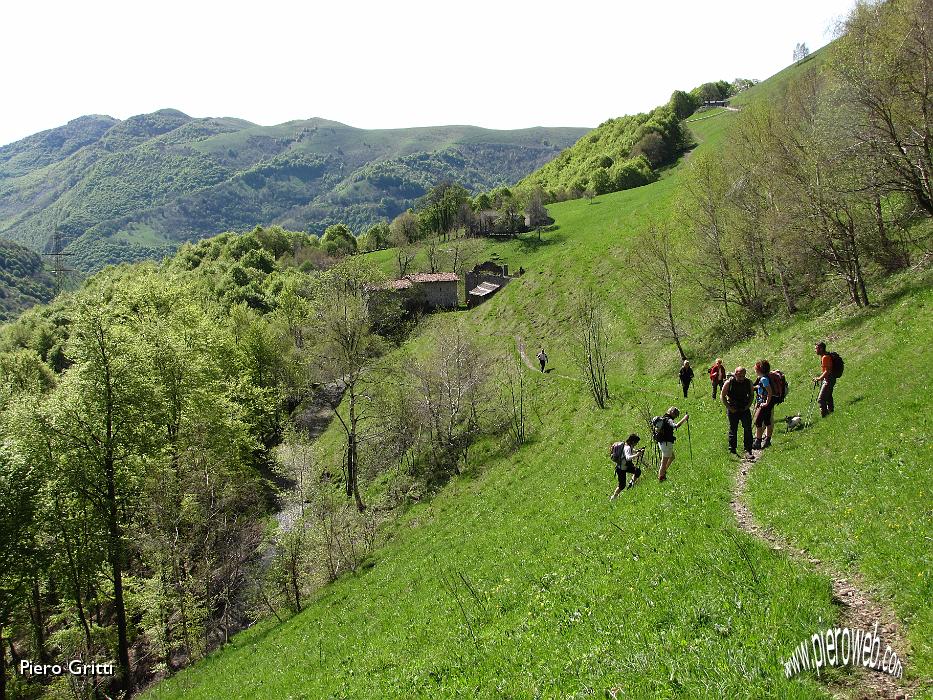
(134, 189)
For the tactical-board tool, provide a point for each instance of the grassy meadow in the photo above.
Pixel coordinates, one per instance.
(520, 579)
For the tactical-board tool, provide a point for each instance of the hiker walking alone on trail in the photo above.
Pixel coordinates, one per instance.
(686, 376)
(625, 457)
(717, 376)
(832, 367)
(764, 410)
(737, 397)
(542, 358)
(664, 427)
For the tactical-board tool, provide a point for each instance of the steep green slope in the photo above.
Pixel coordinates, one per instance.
(619, 154)
(563, 595)
(23, 280)
(134, 189)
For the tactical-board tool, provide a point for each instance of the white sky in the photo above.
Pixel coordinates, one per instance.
(500, 64)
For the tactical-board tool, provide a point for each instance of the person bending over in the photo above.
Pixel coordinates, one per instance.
(627, 463)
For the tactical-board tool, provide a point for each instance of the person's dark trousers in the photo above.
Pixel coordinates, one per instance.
(825, 397)
(746, 417)
(716, 386)
(541, 362)
(686, 386)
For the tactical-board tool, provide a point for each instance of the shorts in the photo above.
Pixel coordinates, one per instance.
(763, 416)
(623, 469)
(667, 448)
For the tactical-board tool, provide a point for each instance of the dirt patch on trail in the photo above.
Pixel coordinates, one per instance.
(857, 608)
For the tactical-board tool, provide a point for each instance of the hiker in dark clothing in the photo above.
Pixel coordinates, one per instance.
(827, 379)
(737, 397)
(717, 375)
(686, 376)
(542, 358)
(626, 457)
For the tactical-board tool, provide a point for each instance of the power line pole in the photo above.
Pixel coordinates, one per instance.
(58, 262)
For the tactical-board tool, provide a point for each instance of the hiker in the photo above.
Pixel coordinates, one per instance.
(542, 358)
(664, 427)
(625, 456)
(717, 376)
(832, 367)
(686, 376)
(764, 409)
(737, 397)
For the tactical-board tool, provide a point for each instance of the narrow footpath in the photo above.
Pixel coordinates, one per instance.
(857, 608)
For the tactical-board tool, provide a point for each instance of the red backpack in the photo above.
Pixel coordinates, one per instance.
(778, 385)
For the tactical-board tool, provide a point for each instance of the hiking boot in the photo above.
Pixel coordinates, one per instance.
(631, 483)
(749, 456)
(766, 443)
(756, 444)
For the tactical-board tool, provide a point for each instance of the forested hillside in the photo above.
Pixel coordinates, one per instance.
(628, 151)
(255, 470)
(119, 191)
(24, 281)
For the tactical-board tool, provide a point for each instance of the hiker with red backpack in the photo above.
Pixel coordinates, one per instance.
(832, 367)
(625, 457)
(770, 388)
(717, 376)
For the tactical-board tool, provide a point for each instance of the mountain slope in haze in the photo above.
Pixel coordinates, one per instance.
(134, 189)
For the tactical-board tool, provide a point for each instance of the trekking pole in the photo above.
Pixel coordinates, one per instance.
(810, 410)
(689, 442)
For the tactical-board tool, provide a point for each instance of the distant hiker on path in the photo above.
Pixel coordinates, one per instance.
(832, 367)
(542, 358)
(717, 376)
(686, 376)
(764, 409)
(737, 397)
(664, 427)
(625, 457)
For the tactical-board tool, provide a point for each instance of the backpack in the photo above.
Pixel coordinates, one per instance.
(615, 452)
(838, 365)
(738, 394)
(662, 429)
(779, 386)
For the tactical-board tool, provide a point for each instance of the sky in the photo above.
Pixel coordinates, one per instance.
(501, 64)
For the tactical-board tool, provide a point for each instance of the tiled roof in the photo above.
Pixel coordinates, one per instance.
(422, 277)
